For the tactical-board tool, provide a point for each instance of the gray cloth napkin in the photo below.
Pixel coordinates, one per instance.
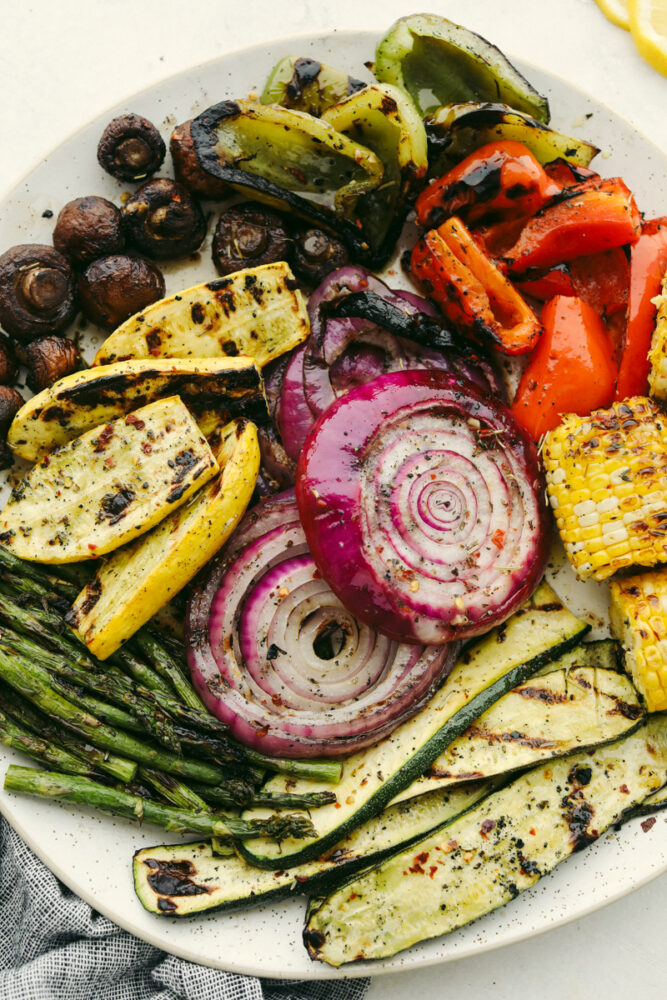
(53, 946)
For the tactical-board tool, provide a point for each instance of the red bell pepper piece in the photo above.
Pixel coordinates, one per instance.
(600, 279)
(470, 289)
(571, 371)
(557, 281)
(590, 218)
(648, 263)
(569, 174)
(502, 179)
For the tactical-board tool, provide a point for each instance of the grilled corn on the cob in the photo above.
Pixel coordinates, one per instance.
(638, 614)
(657, 378)
(607, 482)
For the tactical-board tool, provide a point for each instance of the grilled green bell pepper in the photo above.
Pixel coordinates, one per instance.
(457, 130)
(294, 162)
(384, 119)
(304, 84)
(439, 62)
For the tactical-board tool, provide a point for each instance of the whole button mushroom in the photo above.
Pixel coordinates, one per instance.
(37, 295)
(317, 254)
(88, 228)
(11, 402)
(113, 288)
(50, 359)
(163, 220)
(188, 169)
(131, 148)
(249, 235)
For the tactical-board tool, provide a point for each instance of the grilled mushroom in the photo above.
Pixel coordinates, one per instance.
(131, 148)
(49, 360)
(163, 220)
(7, 362)
(88, 228)
(113, 288)
(36, 291)
(11, 402)
(316, 254)
(187, 168)
(249, 235)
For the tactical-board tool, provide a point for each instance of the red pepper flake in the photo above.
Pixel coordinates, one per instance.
(337, 805)
(648, 823)
(91, 546)
(46, 462)
(532, 831)
(487, 826)
(417, 869)
(353, 895)
(432, 870)
(422, 858)
(624, 789)
(147, 448)
(498, 538)
(134, 421)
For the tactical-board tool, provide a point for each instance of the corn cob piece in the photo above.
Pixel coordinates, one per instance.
(607, 482)
(638, 614)
(657, 356)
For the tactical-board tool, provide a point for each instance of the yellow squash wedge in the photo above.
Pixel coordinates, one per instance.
(139, 579)
(108, 486)
(259, 312)
(225, 387)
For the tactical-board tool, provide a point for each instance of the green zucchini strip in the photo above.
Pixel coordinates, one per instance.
(507, 656)
(179, 880)
(552, 715)
(490, 854)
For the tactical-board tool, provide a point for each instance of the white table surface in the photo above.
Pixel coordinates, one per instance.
(63, 62)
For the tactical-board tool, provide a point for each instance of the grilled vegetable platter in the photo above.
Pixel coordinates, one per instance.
(337, 553)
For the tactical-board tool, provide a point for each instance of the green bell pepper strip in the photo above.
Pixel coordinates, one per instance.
(438, 62)
(384, 119)
(304, 84)
(457, 130)
(293, 162)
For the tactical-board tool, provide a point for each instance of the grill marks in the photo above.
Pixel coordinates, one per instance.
(173, 878)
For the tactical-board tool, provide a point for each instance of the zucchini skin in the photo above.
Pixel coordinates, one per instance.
(489, 855)
(376, 775)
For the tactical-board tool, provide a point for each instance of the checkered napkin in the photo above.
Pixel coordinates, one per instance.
(54, 947)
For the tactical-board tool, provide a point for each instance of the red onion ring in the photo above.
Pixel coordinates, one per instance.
(253, 628)
(422, 503)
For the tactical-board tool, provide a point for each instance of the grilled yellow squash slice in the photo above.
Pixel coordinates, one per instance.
(108, 486)
(259, 312)
(139, 579)
(226, 387)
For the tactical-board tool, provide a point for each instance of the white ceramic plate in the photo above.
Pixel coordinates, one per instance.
(91, 853)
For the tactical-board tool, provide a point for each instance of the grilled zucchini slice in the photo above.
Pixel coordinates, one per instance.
(259, 312)
(490, 854)
(139, 579)
(108, 486)
(549, 716)
(179, 880)
(229, 387)
(505, 657)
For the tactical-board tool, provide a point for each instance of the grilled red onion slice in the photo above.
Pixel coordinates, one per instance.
(422, 502)
(344, 352)
(274, 653)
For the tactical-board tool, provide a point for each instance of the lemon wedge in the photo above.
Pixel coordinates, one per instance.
(616, 11)
(648, 24)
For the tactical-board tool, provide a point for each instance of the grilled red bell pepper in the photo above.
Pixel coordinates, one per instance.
(571, 371)
(569, 174)
(502, 180)
(648, 263)
(589, 219)
(470, 289)
(600, 279)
